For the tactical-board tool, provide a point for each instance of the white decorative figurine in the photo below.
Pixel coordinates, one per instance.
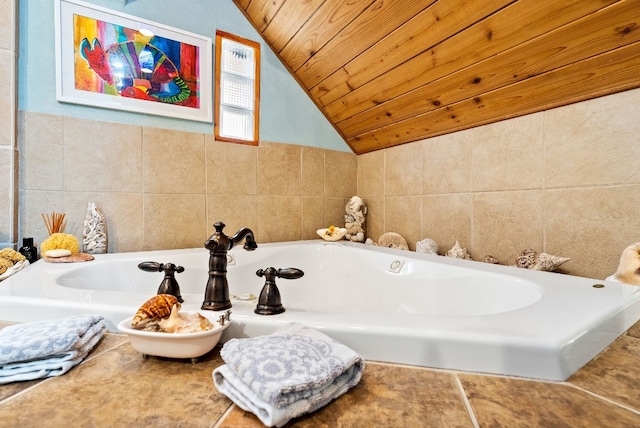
(354, 219)
(94, 234)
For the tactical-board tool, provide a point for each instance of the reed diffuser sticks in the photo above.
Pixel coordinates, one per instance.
(55, 222)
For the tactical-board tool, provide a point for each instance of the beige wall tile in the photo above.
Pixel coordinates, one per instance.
(174, 221)
(42, 151)
(123, 214)
(172, 161)
(101, 156)
(279, 218)
(235, 211)
(312, 216)
(592, 226)
(7, 97)
(312, 170)
(7, 20)
(403, 170)
(446, 163)
(374, 225)
(447, 219)
(278, 169)
(505, 223)
(371, 174)
(334, 211)
(8, 193)
(340, 174)
(508, 155)
(34, 203)
(402, 215)
(231, 168)
(594, 142)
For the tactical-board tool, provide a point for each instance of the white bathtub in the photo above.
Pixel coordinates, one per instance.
(389, 305)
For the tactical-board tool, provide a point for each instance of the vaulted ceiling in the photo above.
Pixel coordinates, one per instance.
(388, 72)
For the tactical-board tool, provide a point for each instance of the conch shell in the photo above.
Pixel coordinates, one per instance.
(184, 323)
(156, 308)
(530, 259)
(628, 270)
(458, 252)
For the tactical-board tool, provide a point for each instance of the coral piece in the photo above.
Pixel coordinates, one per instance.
(354, 219)
(156, 308)
(393, 240)
(491, 260)
(427, 246)
(628, 270)
(526, 259)
(458, 252)
(184, 323)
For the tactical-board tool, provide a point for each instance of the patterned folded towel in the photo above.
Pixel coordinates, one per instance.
(287, 374)
(47, 348)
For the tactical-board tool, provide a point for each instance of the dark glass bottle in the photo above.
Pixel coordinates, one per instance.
(28, 250)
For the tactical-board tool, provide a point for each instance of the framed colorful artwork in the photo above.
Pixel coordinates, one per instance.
(117, 61)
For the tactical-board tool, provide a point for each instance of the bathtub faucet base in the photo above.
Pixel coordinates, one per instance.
(216, 294)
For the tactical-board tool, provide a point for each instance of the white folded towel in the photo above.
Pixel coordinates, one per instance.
(47, 348)
(287, 374)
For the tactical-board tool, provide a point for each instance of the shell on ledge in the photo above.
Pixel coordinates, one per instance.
(184, 323)
(530, 259)
(491, 260)
(332, 233)
(393, 240)
(156, 308)
(427, 246)
(458, 252)
(628, 270)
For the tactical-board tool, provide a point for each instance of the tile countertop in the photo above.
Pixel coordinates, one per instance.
(116, 387)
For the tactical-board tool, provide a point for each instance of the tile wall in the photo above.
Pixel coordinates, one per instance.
(163, 189)
(8, 149)
(564, 181)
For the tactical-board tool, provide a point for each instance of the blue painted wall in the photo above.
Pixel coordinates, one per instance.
(287, 113)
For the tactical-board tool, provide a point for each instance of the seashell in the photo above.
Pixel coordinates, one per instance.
(184, 323)
(548, 262)
(157, 307)
(490, 259)
(332, 233)
(393, 240)
(628, 270)
(427, 246)
(458, 252)
(370, 241)
(526, 259)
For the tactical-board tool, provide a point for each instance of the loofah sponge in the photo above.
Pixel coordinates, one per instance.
(60, 241)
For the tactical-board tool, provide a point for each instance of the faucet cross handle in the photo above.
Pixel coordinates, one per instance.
(169, 284)
(269, 302)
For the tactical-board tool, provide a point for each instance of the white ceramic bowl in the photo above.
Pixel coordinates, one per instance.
(173, 345)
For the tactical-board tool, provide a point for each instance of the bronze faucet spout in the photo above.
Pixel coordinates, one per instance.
(216, 294)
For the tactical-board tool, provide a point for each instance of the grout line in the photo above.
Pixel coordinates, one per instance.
(608, 400)
(224, 416)
(466, 402)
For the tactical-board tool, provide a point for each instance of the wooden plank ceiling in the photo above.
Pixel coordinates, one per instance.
(388, 72)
